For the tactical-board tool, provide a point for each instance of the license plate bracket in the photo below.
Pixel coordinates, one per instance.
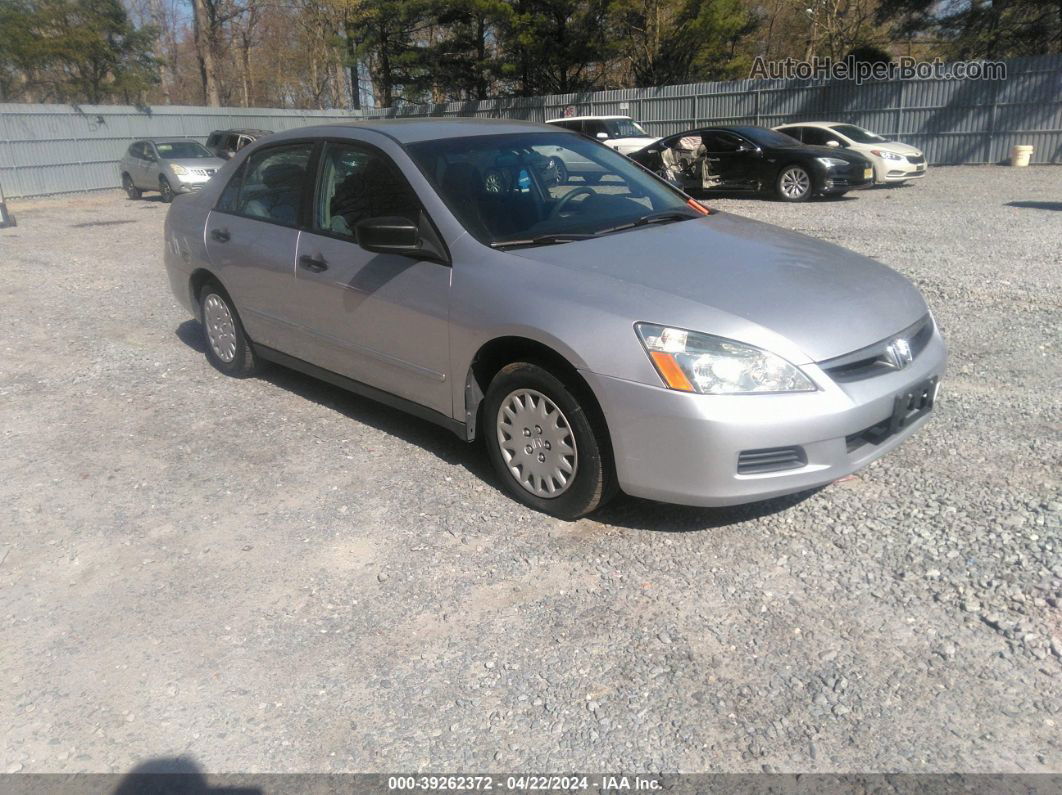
(912, 405)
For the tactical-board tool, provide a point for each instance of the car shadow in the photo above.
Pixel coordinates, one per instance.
(633, 513)
(173, 776)
(624, 511)
(1032, 205)
(438, 441)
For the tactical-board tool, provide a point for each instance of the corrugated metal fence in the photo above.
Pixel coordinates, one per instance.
(48, 149)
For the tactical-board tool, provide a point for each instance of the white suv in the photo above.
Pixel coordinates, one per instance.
(616, 132)
(892, 161)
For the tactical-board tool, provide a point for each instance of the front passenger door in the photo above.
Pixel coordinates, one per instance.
(382, 319)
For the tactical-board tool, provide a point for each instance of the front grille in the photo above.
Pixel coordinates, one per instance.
(873, 360)
(773, 459)
(916, 160)
(875, 434)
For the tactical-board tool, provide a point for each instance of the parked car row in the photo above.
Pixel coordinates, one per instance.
(793, 162)
(179, 165)
(604, 336)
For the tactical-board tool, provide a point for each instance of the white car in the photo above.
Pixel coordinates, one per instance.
(892, 161)
(616, 132)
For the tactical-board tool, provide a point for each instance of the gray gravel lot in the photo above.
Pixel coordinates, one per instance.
(272, 575)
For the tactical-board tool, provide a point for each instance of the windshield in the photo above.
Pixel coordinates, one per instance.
(857, 134)
(624, 128)
(519, 187)
(764, 137)
(181, 150)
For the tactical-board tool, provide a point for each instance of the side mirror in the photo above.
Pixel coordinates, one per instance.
(833, 143)
(401, 236)
(602, 136)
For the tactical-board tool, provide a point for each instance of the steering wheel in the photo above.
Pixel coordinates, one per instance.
(568, 197)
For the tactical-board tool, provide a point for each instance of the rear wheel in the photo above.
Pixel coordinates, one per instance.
(227, 346)
(547, 442)
(165, 190)
(131, 190)
(794, 184)
(561, 170)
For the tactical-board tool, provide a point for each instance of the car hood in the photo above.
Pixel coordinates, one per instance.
(197, 162)
(892, 146)
(629, 145)
(833, 151)
(823, 299)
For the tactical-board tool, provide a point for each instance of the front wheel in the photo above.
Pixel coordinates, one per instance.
(794, 184)
(227, 346)
(547, 442)
(165, 190)
(131, 190)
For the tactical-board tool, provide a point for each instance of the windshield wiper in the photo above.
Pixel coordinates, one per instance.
(662, 217)
(541, 240)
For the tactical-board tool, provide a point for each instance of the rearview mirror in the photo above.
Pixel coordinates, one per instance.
(401, 236)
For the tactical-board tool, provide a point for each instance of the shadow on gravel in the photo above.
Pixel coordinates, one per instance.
(636, 514)
(1031, 205)
(438, 441)
(100, 223)
(190, 332)
(172, 776)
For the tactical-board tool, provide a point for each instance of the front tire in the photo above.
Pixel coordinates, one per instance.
(547, 442)
(227, 346)
(165, 190)
(793, 184)
(131, 190)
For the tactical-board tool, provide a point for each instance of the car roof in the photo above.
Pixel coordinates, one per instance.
(243, 131)
(823, 124)
(171, 140)
(414, 130)
(586, 118)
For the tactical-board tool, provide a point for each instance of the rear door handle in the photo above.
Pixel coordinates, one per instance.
(312, 263)
(220, 235)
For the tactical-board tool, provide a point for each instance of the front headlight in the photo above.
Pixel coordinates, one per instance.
(832, 162)
(694, 362)
(179, 170)
(886, 154)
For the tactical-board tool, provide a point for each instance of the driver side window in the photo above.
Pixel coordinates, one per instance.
(358, 183)
(722, 142)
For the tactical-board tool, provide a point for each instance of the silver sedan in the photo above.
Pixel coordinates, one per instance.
(597, 335)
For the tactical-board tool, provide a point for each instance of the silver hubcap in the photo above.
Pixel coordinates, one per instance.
(537, 443)
(220, 329)
(795, 183)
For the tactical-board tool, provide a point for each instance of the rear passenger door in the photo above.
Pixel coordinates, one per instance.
(382, 319)
(252, 236)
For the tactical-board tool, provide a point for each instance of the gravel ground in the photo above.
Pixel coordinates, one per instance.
(272, 575)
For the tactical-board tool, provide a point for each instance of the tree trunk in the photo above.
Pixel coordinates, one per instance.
(352, 59)
(204, 53)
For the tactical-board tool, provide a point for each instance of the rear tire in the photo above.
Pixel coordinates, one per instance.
(165, 190)
(131, 190)
(227, 346)
(547, 442)
(794, 184)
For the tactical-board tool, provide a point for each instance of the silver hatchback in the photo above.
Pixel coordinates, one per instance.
(167, 165)
(597, 334)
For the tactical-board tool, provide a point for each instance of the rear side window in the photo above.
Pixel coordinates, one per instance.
(818, 137)
(793, 132)
(269, 184)
(358, 183)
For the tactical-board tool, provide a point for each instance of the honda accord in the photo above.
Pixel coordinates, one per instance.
(595, 337)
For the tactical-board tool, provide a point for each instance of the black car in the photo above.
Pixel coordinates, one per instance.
(754, 159)
(226, 143)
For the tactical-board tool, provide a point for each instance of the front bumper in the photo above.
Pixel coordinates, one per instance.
(844, 180)
(683, 448)
(898, 171)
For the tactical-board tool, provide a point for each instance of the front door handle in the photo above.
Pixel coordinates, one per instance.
(313, 263)
(220, 235)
